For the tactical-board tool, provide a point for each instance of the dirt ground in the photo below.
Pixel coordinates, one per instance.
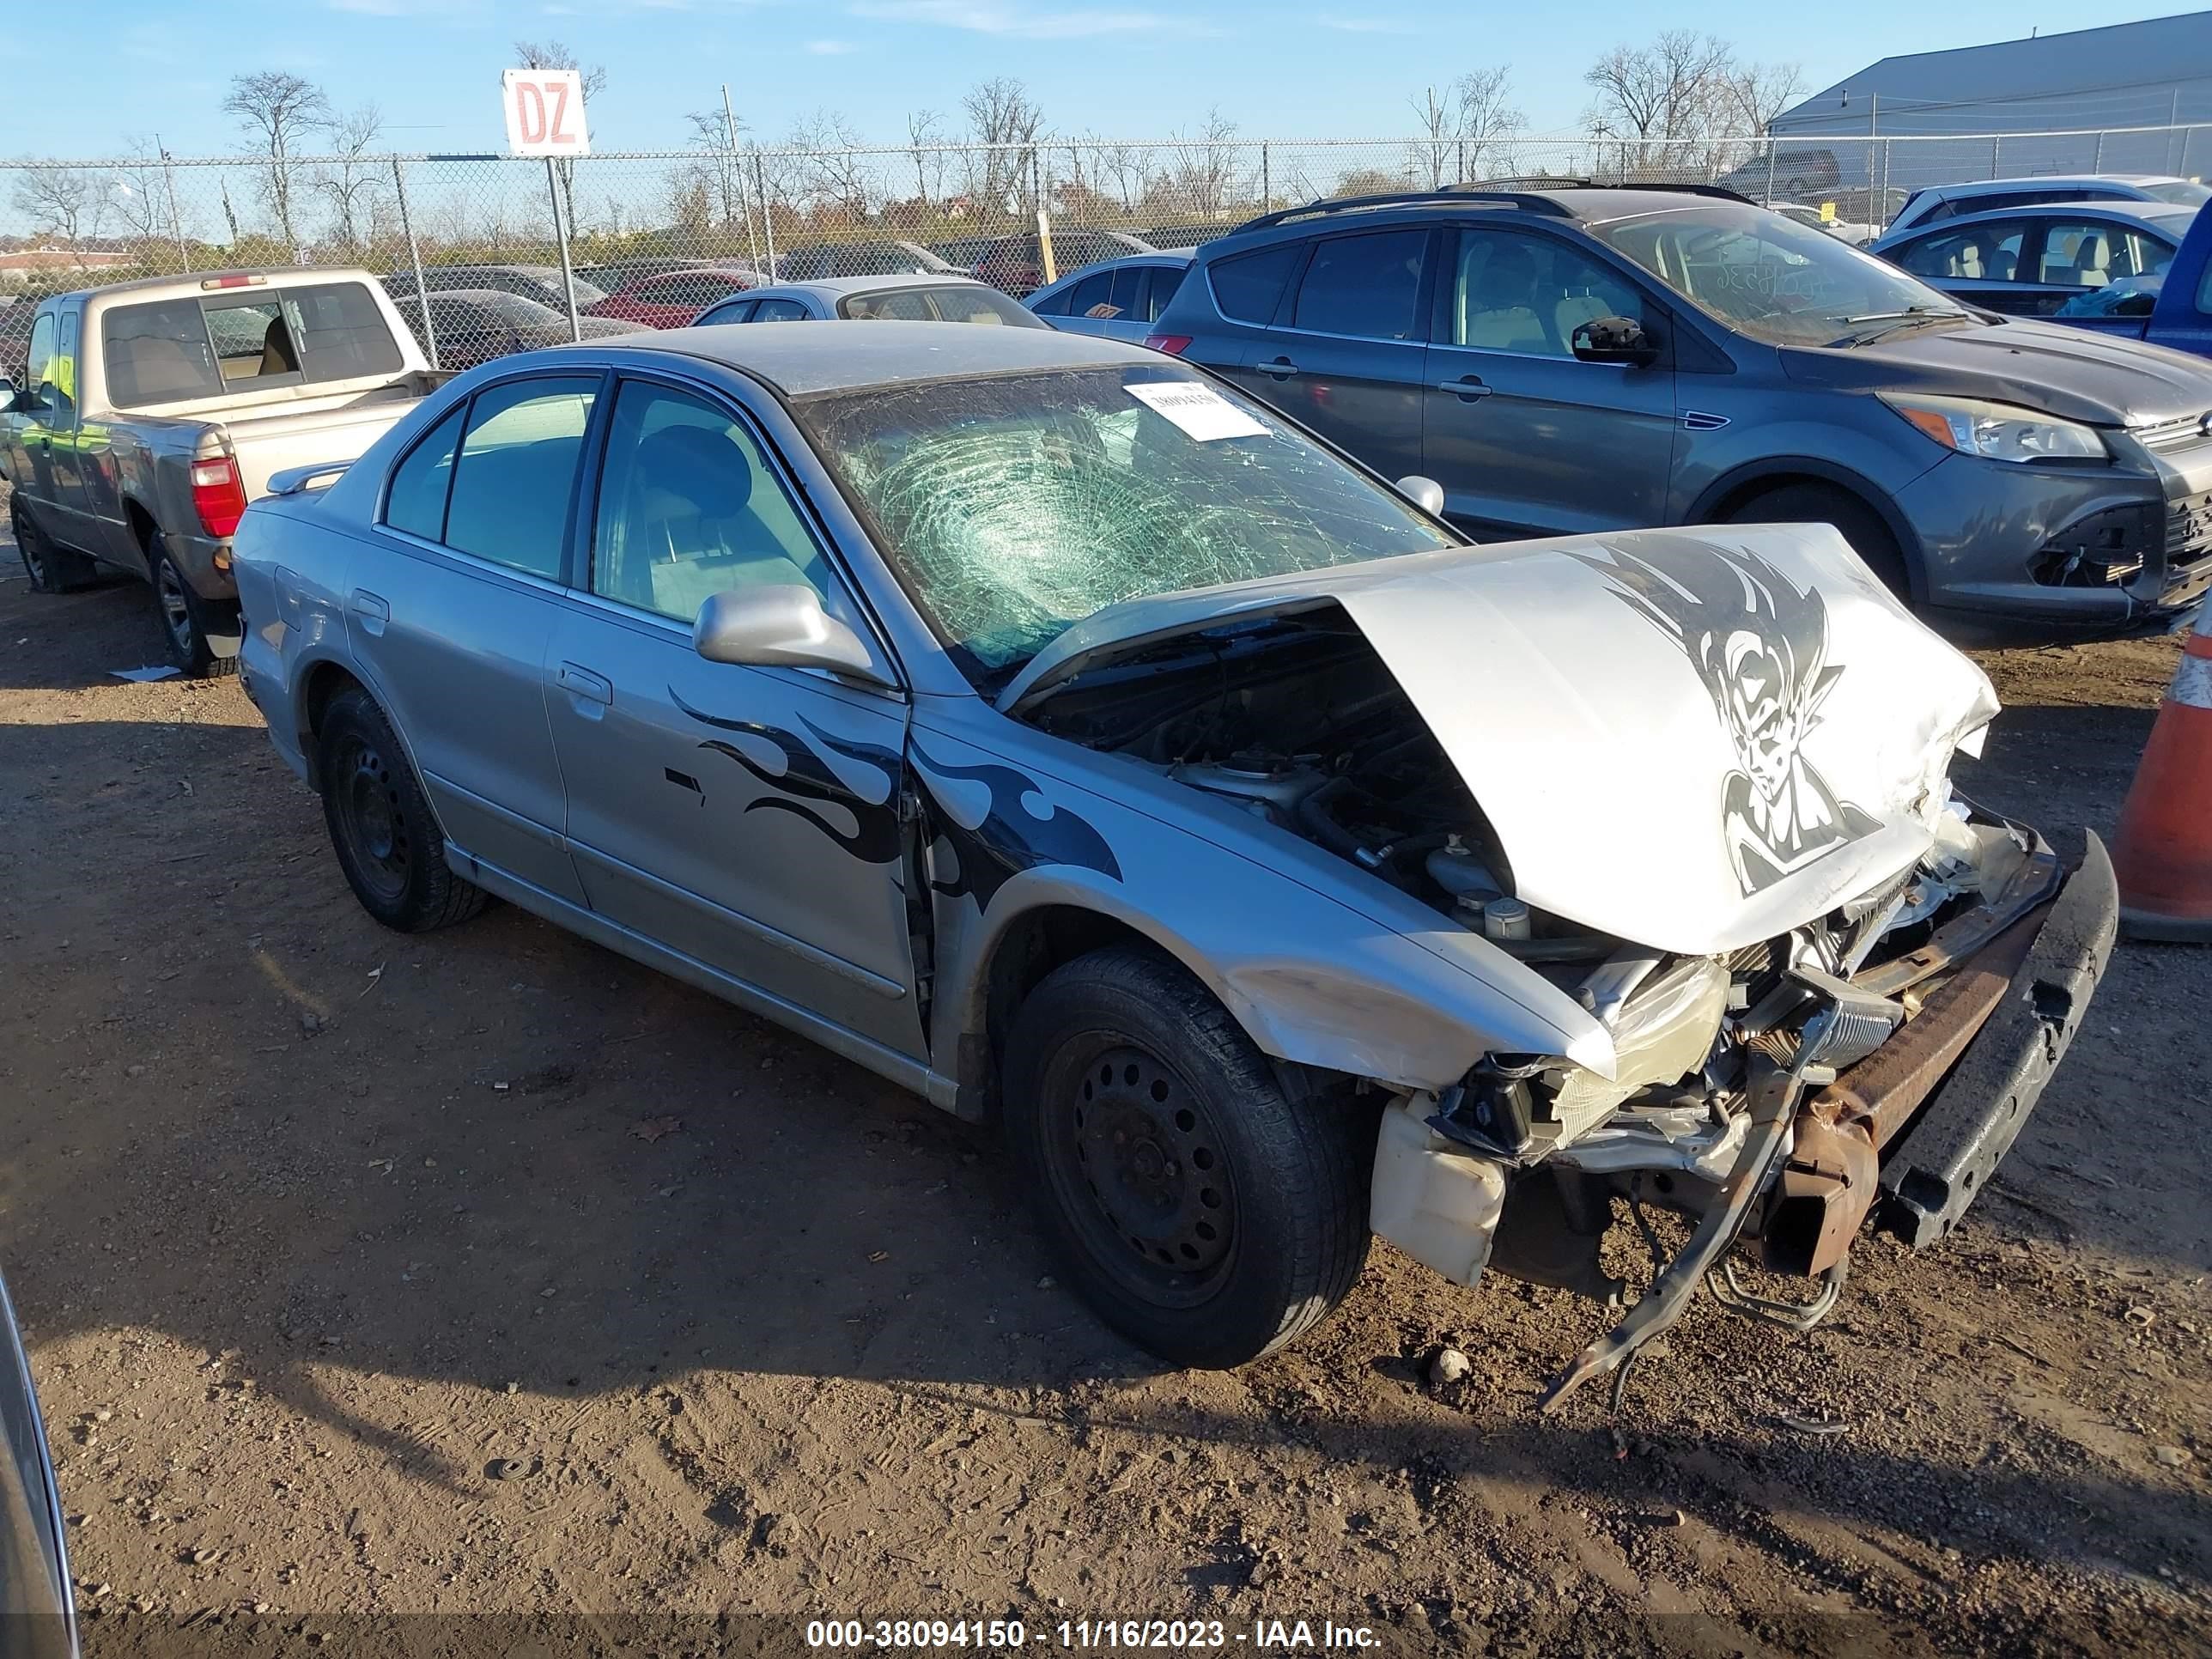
(489, 1275)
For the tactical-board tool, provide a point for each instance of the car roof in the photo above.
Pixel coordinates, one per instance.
(2058, 181)
(836, 288)
(801, 360)
(2169, 217)
(1567, 203)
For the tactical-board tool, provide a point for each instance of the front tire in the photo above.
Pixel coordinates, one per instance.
(386, 838)
(51, 569)
(1206, 1213)
(1858, 524)
(202, 636)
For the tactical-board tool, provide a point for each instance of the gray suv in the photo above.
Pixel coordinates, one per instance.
(1584, 360)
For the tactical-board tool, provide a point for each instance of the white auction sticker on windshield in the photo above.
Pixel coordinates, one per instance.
(1198, 408)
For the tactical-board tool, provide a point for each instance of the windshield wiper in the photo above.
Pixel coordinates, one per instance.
(1893, 321)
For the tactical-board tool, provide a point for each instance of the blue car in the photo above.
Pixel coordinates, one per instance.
(2040, 260)
(1116, 299)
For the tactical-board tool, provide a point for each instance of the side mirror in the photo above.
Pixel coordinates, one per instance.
(782, 626)
(7, 395)
(1614, 340)
(1425, 493)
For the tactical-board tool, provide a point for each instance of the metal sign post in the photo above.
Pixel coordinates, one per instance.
(561, 230)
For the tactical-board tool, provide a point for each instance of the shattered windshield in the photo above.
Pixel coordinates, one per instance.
(1013, 507)
(1774, 279)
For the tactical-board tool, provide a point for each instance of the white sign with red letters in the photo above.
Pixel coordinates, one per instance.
(544, 112)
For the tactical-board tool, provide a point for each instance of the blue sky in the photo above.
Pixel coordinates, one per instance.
(1123, 68)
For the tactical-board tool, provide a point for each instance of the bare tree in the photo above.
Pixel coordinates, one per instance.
(66, 202)
(925, 137)
(1205, 181)
(1125, 165)
(1489, 120)
(1757, 93)
(278, 111)
(350, 181)
(834, 172)
(1003, 117)
(722, 164)
(1434, 152)
(1672, 88)
(140, 194)
(554, 55)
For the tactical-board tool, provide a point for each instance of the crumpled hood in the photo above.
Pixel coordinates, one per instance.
(2076, 373)
(1690, 740)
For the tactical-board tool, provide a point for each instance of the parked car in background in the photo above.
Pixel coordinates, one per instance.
(963, 251)
(815, 261)
(873, 299)
(1941, 202)
(38, 1611)
(1015, 264)
(474, 325)
(151, 412)
(673, 298)
(540, 283)
(2169, 306)
(2016, 479)
(1071, 739)
(610, 275)
(2032, 261)
(1857, 232)
(1118, 299)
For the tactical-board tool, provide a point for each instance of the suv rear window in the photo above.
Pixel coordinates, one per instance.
(172, 350)
(1248, 287)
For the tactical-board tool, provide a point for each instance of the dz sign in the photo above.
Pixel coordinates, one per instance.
(544, 112)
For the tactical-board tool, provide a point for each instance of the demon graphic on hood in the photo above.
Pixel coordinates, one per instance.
(1760, 644)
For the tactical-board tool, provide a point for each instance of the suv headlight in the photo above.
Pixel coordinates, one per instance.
(1999, 432)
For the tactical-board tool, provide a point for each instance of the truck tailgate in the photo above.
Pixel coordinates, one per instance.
(293, 437)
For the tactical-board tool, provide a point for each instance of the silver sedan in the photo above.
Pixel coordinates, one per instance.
(1048, 727)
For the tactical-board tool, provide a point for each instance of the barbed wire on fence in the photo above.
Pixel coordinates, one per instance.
(466, 221)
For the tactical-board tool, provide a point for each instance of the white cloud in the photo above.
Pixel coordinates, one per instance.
(1365, 25)
(1012, 18)
(830, 48)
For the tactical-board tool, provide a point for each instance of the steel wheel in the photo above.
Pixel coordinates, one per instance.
(369, 819)
(1135, 1154)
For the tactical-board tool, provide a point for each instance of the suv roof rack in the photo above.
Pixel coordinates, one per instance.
(1718, 192)
(1528, 201)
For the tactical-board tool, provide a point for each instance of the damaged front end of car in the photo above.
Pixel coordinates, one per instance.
(1884, 1056)
(1691, 790)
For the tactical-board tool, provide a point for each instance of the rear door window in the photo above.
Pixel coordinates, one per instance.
(1165, 280)
(1367, 285)
(1250, 287)
(1093, 297)
(2095, 253)
(414, 500)
(1973, 253)
(516, 471)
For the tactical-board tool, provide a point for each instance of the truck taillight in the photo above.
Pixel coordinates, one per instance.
(218, 495)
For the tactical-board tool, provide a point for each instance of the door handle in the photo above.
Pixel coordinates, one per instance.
(1467, 390)
(373, 609)
(47, 443)
(584, 686)
(1282, 368)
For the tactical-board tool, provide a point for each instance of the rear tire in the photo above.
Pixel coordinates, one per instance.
(1204, 1211)
(1859, 524)
(51, 569)
(386, 838)
(202, 636)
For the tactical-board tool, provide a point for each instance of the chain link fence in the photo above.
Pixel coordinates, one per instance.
(650, 239)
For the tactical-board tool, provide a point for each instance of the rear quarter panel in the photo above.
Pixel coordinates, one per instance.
(292, 561)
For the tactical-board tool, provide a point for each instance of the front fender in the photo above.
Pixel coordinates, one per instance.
(1320, 963)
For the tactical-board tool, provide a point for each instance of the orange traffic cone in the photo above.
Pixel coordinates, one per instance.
(2163, 855)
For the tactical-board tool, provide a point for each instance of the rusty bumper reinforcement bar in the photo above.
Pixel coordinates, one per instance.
(1934, 1169)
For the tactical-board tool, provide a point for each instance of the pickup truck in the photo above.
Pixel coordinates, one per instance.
(151, 412)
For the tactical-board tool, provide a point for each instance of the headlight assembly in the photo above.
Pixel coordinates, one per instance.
(1998, 432)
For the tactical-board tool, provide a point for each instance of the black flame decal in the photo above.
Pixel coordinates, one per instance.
(1011, 838)
(807, 777)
